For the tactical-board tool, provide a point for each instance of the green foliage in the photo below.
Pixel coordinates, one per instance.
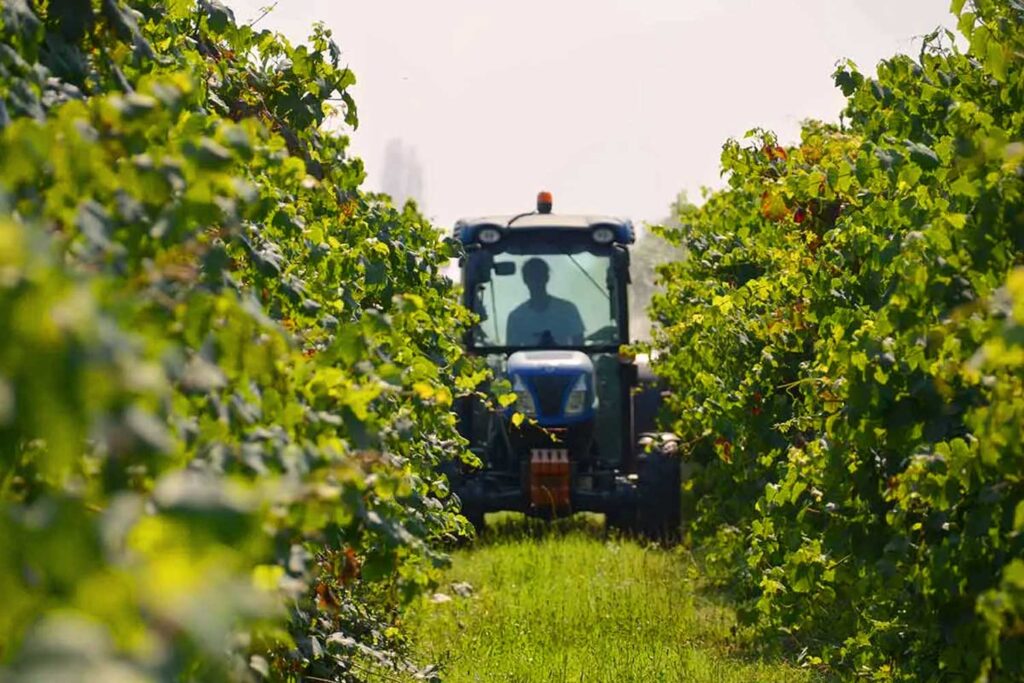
(846, 355)
(226, 373)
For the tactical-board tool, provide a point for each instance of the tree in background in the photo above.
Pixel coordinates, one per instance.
(650, 252)
(402, 175)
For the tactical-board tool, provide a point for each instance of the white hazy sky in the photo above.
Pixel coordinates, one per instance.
(613, 105)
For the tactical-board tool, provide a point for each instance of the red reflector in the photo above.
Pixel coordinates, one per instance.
(550, 476)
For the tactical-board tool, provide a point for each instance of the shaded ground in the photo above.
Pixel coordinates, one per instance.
(571, 605)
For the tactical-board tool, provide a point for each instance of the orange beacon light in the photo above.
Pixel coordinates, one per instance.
(544, 202)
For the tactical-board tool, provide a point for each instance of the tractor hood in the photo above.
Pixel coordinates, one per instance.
(555, 387)
(549, 362)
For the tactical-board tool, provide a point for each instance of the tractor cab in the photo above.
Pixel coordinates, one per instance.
(550, 296)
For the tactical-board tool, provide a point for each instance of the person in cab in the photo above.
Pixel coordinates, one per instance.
(543, 319)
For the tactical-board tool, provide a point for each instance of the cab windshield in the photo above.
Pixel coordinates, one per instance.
(545, 295)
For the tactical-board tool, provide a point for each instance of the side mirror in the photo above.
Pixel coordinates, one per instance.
(505, 267)
(611, 283)
(620, 261)
(480, 265)
(478, 305)
(618, 276)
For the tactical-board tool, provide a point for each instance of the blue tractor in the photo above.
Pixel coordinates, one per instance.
(550, 293)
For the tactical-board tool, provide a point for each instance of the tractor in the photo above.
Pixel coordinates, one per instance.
(552, 319)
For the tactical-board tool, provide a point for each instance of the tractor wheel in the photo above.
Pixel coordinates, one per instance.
(477, 520)
(659, 489)
(621, 521)
(456, 481)
(621, 518)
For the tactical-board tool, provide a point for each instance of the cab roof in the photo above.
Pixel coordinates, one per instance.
(466, 229)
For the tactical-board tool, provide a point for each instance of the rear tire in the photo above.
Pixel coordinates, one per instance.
(659, 489)
(621, 517)
(473, 515)
(620, 521)
(476, 519)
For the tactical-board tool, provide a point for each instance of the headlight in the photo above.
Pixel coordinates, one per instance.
(524, 399)
(603, 235)
(489, 235)
(577, 398)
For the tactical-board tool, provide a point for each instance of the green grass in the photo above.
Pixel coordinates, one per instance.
(571, 605)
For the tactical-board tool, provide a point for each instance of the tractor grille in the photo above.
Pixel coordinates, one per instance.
(550, 390)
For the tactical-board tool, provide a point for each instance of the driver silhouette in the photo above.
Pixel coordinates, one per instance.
(543, 320)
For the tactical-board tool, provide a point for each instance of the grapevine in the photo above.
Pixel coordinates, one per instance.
(226, 372)
(844, 350)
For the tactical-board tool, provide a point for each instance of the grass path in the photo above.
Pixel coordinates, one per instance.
(578, 607)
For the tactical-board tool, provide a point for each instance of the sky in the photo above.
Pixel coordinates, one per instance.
(615, 106)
